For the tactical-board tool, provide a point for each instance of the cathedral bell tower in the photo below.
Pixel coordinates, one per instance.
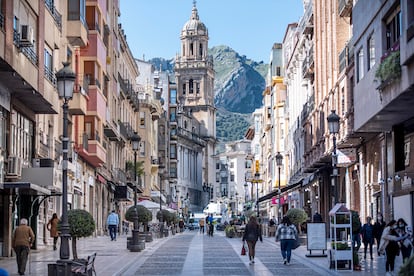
(194, 74)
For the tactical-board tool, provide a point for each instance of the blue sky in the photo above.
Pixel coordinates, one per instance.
(250, 27)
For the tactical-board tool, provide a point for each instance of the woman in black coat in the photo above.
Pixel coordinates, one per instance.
(252, 233)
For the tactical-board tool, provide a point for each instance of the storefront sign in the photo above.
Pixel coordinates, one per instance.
(346, 157)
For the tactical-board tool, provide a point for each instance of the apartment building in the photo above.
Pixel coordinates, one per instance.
(383, 68)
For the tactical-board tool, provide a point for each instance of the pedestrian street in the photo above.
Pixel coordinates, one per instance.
(192, 253)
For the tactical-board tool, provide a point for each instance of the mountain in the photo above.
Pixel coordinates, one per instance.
(239, 82)
(238, 87)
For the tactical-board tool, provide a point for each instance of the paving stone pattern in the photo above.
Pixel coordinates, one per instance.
(169, 258)
(220, 258)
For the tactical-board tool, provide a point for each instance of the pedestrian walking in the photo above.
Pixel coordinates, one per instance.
(406, 244)
(252, 233)
(52, 227)
(201, 223)
(181, 225)
(113, 222)
(286, 232)
(379, 226)
(23, 238)
(367, 233)
(389, 245)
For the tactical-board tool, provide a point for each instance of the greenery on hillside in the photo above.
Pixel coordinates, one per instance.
(231, 126)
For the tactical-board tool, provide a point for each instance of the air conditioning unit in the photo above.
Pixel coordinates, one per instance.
(26, 36)
(14, 167)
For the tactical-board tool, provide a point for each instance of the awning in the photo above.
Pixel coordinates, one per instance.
(275, 193)
(25, 188)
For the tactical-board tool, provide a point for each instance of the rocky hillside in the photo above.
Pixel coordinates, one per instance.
(238, 88)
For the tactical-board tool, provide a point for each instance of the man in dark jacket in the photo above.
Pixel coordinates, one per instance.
(379, 226)
(367, 233)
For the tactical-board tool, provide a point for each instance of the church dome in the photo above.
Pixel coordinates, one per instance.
(194, 25)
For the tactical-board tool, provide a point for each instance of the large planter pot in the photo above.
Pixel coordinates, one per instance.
(148, 237)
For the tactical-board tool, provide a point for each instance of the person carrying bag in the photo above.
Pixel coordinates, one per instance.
(243, 250)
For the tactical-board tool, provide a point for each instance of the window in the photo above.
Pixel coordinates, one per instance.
(393, 27)
(218, 166)
(201, 50)
(142, 119)
(184, 88)
(232, 165)
(173, 170)
(48, 62)
(197, 87)
(191, 49)
(88, 130)
(256, 149)
(142, 149)
(191, 88)
(173, 96)
(360, 64)
(278, 71)
(173, 114)
(371, 52)
(232, 177)
(248, 164)
(77, 10)
(173, 151)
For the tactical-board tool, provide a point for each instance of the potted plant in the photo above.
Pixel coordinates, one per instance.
(389, 69)
(164, 216)
(81, 224)
(230, 231)
(297, 217)
(144, 216)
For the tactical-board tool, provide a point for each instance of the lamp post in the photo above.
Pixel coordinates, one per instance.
(333, 125)
(257, 180)
(279, 160)
(161, 172)
(245, 192)
(65, 83)
(135, 139)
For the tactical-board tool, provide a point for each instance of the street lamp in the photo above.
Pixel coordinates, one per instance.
(65, 83)
(333, 125)
(257, 180)
(245, 192)
(135, 139)
(279, 160)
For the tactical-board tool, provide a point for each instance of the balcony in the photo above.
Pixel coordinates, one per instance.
(57, 17)
(96, 49)
(345, 8)
(76, 30)
(112, 132)
(307, 20)
(78, 104)
(182, 133)
(92, 150)
(125, 130)
(96, 103)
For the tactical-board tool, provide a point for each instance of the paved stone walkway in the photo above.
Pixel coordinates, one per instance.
(192, 254)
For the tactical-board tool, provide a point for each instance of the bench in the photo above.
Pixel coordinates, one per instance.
(85, 268)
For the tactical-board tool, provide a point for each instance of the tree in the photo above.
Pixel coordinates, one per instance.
(81, 224)
(144, 215)
(297, 216)
(167, 216)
